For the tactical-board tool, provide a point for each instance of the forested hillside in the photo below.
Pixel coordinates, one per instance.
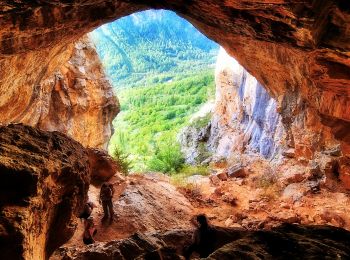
(152, 47)
(151, 117)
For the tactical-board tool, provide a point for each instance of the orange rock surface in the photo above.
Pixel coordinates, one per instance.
(59, 89)
(298, 50)
(44, 179)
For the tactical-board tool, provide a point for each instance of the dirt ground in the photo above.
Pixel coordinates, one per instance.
(150, 202)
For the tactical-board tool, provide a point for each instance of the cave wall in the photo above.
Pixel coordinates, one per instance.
(63, 89)
(293, 48)
(44, 182)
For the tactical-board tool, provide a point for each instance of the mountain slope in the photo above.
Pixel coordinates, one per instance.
(152, 47)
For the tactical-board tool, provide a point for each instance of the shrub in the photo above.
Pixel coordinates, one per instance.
(167, 158)
(201, 121)
(122, 160)
(267, 179)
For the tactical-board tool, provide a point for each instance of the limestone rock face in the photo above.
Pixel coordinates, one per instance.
(245, 117)
(44, 179)
(61, 89)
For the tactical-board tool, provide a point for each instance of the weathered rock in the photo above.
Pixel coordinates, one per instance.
(230, 199)
(332, 218)
(60, 89)
(103, 167)
(214, 179)
(286, 217)
(145, 246)
(245, 117)
(222, 175)
(290, 153)
(193, 138)
(150, 204)
(136, 246)
(236, 171)
(295, 191)
(344, 171)
(289, 241)
(44, 179)
(292, 177)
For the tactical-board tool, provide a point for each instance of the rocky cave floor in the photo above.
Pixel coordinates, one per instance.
(153, 204)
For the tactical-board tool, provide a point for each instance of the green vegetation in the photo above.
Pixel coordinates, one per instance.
(152, 47)
(162, 67)
(122, 160)
(181, 179)
(151, 117)
(167, 158)
(201, 121)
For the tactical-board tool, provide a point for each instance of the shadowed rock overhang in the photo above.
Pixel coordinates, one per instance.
(294, 48)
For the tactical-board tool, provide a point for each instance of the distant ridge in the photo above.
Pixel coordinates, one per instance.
(150, 47)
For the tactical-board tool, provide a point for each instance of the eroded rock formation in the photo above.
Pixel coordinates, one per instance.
(245, 117)
(287, 240)
(246, 120)
(44, 183)
(62, 89)
(297, 50)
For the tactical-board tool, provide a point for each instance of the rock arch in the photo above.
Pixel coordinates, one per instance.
(298, 50)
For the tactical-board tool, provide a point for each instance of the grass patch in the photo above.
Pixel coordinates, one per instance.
(180, 179)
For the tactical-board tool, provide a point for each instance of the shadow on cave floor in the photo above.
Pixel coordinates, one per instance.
(283, 242)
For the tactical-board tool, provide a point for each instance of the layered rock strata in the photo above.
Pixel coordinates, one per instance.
(61, 89)
(44, 179)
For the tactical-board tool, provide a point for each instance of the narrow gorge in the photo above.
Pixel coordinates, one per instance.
(276, 138)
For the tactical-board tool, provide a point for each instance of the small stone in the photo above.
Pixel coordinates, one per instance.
(230, 198)
(290, 153)
(222, 176)
(218, 191)
(334, 151)
(239, 181)
(236, 171)
(229, 222)
(214, 180)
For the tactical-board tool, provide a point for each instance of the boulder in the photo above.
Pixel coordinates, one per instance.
(222, 175)
(295, 191)
(103, 166)
(237, 171)
(290, 153)
(214, 179)
(44, 179)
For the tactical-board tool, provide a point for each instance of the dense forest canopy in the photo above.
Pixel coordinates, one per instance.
(151, 47)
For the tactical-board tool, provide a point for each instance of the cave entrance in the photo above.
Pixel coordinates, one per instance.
(162, 69)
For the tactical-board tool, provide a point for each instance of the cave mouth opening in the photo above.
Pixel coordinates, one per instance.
(162, 70)
(256, 173)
